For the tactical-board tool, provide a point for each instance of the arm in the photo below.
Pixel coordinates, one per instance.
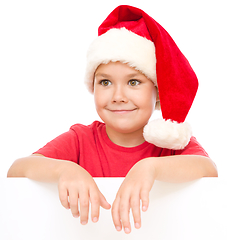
(38, 167)
(183, 168)
(74, 183)
(141, 177)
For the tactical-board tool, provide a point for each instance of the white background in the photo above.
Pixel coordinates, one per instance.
(43, 48)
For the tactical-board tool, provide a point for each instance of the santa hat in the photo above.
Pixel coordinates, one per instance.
(131, 36)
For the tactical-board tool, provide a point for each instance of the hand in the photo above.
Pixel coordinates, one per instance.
(135, 188)
(76, 185)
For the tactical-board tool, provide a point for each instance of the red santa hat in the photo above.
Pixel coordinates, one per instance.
(131, 36)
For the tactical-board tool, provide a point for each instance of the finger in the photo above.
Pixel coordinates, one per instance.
(97, 199)
(116, 214)
(84, 207)
(73, 202)
(124, 210)
(103, 202)
(95, 206)
(63, 196)
(135, 206)
(144, 196)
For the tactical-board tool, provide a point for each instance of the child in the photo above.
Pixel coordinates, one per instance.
(133, 67)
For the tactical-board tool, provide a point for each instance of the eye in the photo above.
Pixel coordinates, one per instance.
(134, 82)
(105, 83)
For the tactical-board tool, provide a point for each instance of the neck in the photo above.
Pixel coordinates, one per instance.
(131, 139)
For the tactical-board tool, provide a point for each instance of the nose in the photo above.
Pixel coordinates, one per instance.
(119, 95)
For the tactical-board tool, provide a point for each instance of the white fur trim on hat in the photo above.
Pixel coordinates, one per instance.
(168, 134)
(124, 46)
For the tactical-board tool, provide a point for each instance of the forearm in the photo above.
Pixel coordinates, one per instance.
(38, 168)
(182, 168)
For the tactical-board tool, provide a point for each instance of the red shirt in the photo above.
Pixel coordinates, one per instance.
(90, 147)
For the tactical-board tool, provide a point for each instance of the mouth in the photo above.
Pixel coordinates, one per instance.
(123, 111)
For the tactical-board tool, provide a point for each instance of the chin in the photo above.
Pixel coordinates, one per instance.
(127, 129)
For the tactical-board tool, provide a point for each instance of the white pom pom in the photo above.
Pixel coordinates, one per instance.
(167, 134)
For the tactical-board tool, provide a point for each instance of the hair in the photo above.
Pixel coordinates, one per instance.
(158, 105)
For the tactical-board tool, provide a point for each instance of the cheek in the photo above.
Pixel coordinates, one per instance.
(99, 99)
(148, 99)
(149, 107)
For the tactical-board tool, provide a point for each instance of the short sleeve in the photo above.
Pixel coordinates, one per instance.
(193, 148)
(64, 147)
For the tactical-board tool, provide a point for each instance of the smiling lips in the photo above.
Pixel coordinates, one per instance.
(122, 111)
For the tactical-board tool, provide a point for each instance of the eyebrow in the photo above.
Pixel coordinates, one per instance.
(102, 75)
(132, 75)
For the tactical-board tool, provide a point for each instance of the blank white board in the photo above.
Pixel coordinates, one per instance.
(195, 210)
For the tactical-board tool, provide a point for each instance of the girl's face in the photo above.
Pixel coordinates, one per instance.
(124, 98)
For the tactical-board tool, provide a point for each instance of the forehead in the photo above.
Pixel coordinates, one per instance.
(115, 68)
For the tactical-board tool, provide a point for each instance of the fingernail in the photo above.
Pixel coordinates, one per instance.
(76, 215)
(95, 219)
(144, 208)
(118, 228)
(137, 225)
(84, 222)
(127, 230)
